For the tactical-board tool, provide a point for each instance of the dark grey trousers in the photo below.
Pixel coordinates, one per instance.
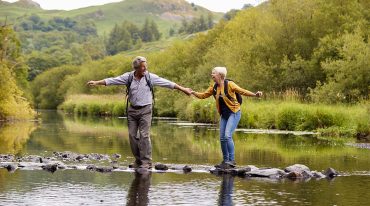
(139, 121)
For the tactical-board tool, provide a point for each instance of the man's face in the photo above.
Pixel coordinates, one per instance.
(142, 68)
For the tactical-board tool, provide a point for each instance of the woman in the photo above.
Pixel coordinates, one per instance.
(228, 106)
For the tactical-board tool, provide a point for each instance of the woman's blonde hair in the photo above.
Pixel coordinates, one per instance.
(221, 70)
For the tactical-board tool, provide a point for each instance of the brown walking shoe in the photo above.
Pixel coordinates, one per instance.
(134, 165)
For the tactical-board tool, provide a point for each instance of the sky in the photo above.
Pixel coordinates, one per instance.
(213, 5)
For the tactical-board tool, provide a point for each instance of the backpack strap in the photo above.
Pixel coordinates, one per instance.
(128, 85)
(150, 84)
(214, 91)
(226, 90)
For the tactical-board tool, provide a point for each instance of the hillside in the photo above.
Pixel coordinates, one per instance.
(166, 13)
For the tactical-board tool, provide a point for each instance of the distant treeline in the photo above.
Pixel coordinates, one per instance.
(195, 25)
(48, 43)
(128, 36)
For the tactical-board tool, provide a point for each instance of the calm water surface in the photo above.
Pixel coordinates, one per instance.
(193, 145)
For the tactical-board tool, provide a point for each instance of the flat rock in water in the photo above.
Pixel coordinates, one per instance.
(294, 175)
(104, 169)
(50, 167)
(318, 175)
(297, 168)
(330, 172)
(6, 157)
(271, 173)
(307, 174)
(30, 164)
(160, 166)
(116, 156)
(11, 167)
(186, 169)
(249, 168)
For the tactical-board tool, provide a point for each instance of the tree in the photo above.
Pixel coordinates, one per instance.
(154, 30)
(146, 32)
(12, 101)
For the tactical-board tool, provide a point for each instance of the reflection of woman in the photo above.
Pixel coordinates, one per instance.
(138, 192)
(226, 191)
(228, 107)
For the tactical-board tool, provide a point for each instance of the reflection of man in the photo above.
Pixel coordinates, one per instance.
(138, 192)
(226, 191)
(140, 87)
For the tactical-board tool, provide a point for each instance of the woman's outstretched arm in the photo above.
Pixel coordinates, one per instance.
(203, 95)
(244, 92)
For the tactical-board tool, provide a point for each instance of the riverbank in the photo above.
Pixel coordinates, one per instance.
(327, 120)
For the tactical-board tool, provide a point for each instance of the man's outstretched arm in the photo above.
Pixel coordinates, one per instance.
(96, 83)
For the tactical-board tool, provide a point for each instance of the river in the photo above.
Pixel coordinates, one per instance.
(177, 143)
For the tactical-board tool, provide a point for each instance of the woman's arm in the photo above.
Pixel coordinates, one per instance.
(203, 95)
(244, 92)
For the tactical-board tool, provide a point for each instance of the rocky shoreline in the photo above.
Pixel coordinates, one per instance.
(92, 162)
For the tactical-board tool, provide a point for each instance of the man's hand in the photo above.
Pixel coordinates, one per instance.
(91, 83)
(258, 94)
(95, 83)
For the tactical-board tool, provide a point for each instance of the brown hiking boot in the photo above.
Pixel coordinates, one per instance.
(134, 165)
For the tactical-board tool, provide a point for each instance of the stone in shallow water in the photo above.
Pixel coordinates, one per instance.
(294, 175)
(318, 175)
(91, 167)
(116, 156)
(186, 169)
(330, 172)
(160, 166)
(307, 174)
(50, 167)
(297, 168)
(11, 167)
(271, 173)
(104, 169)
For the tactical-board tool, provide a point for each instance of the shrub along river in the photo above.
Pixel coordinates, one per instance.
(177, 143)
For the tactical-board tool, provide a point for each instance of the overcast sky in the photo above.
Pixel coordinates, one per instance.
(213, 5)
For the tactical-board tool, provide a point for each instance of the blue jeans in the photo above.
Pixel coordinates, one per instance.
(227, 128)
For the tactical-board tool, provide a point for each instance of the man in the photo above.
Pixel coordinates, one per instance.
(139, 117)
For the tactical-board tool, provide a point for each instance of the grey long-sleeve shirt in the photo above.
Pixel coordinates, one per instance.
(140, 94)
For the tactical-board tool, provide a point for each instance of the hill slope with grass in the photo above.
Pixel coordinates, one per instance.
(166, 13)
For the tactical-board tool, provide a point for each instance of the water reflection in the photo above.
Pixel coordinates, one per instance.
(13, 136)
(226, 191)
(139, 189)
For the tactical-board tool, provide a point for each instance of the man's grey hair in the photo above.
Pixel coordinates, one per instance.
(137, 61)
(221, 70)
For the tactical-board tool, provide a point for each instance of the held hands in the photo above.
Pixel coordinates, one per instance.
(187, 91)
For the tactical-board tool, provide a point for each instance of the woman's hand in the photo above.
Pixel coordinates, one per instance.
(259, 94)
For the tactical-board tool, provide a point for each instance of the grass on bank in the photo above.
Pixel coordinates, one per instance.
(95, 105)
(330, 120)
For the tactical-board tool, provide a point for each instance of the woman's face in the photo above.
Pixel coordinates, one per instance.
(216, 76)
